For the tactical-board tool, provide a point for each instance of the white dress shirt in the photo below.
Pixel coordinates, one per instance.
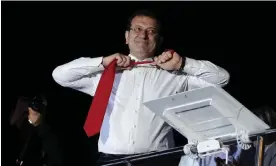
(129, 127)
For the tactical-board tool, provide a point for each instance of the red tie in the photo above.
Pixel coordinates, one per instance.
(97, 109)
(96, 112)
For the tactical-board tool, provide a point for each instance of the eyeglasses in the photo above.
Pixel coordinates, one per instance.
(139, 30)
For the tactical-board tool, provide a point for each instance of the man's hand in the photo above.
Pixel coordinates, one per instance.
(34, 117)
(122, 60)
(169, 61)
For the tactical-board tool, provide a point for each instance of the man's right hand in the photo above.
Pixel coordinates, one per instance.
(122, 60)
(34, 117)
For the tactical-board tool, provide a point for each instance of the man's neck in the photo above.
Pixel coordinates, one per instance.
(141, 56)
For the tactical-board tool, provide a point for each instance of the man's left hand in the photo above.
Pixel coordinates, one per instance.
(168, 61)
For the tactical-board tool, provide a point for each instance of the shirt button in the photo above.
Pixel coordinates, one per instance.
(134, 126)
(133, 142)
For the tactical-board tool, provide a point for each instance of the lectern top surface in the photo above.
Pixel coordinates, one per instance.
(206, 113)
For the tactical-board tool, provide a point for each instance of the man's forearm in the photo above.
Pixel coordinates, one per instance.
(77, 69)
(207, 71)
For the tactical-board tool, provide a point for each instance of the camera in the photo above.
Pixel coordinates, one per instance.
(38, 103)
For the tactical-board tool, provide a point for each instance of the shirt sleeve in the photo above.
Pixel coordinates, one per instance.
(81, 74)
(206, 71)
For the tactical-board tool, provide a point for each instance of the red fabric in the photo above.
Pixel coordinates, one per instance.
(97, 109)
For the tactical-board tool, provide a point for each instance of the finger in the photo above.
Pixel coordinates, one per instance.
(125, 62)
(169, 54)
(156, 59)
(171, 51)
(128, 62)
(119, 60)
(30, 110)
(162, 57)
(165, 57)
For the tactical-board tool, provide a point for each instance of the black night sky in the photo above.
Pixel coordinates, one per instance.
(38, 36)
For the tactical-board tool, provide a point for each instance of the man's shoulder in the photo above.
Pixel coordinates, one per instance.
(270, 155)
(272, 148)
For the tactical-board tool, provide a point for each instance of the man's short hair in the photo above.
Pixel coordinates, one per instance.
(266, 114)
(146, 13)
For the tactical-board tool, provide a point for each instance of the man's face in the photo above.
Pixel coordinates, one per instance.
(142, 37)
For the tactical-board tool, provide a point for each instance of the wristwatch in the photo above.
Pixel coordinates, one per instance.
(182, 65)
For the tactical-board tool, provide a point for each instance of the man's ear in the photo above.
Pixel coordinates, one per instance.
(126, 36)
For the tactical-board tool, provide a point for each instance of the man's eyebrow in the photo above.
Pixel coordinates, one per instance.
(137, 25)
(152, 28)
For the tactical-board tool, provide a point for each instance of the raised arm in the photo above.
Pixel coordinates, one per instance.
(207, 71)
(82, 74)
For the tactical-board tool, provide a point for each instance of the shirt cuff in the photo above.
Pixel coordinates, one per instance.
(98, 62)
(191, 63)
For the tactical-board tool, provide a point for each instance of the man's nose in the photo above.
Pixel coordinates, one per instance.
(144, 34)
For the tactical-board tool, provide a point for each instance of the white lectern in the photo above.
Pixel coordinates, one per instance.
(207, 116)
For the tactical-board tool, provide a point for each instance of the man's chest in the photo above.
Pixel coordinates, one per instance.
(145, 83)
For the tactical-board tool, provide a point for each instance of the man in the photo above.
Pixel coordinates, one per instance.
(41, 145)
(55, 155)
(129, 127)
(268, 115)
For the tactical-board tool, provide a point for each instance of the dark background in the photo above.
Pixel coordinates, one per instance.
(38, 36)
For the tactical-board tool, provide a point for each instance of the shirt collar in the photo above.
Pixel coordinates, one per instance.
(137, 60)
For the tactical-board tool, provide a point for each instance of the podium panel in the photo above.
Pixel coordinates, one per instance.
(206, 113)
(204, 116)
(172, 156)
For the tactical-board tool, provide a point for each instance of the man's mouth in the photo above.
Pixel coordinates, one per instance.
(142, 42)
